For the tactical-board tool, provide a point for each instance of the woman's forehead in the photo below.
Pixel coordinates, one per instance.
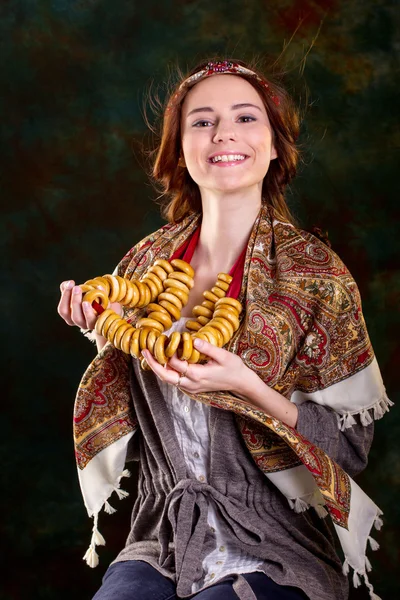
(221, 90)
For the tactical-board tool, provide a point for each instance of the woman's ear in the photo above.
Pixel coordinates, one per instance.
(274, 153)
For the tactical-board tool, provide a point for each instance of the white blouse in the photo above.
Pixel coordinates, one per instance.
(192, 430)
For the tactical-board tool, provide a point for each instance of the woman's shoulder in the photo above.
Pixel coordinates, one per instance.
(309, 259)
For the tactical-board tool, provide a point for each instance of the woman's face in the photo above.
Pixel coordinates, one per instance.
(223, 116)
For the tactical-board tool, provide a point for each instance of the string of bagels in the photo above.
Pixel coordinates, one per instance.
(163, 290)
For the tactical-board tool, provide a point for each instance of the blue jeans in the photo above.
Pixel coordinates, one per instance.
(137, 580)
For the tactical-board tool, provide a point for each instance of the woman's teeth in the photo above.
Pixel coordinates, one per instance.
(227, 158)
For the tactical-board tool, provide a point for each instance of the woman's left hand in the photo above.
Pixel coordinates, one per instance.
(223, 371)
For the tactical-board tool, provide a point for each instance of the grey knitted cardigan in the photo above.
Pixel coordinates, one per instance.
(169, 521)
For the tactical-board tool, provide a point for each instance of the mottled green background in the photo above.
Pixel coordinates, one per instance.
(75, 198)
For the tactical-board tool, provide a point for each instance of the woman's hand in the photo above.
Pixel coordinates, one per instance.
(223, 370)
(75, 312)
(71, 308)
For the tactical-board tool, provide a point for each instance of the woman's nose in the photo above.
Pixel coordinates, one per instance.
(224, 131)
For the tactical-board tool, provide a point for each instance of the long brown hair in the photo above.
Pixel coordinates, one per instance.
(181, 195)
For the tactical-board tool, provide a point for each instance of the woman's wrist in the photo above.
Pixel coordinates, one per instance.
(253, 390)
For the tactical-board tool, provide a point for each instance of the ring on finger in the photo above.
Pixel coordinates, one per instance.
(181, 376)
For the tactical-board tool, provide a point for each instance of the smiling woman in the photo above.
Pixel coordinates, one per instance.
(245, 448)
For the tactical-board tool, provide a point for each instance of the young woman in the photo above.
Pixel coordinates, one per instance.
(243, 455)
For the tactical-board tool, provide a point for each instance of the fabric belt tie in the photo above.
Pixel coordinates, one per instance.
(188, 503)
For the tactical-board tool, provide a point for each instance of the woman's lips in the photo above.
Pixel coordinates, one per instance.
(230, 163)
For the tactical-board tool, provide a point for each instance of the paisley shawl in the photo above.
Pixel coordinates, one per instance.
(303, 333)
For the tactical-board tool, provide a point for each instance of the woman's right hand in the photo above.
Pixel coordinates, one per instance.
(74, 311)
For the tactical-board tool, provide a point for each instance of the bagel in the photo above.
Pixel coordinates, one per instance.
(183, 278)
(173, 344)
(159, 350)
(182, 265)
(164, 264)
(175, 283)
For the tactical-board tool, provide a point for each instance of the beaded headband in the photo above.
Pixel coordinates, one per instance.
(225, 67)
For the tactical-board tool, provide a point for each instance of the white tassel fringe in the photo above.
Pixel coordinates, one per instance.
(373, 543)
(356, 577)
(347, 420)
(91, 557)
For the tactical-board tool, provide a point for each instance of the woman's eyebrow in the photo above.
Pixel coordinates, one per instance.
(233, 107)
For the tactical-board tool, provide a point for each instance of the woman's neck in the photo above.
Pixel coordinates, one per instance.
(224, 233)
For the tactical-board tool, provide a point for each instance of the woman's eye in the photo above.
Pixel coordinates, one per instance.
(199, 124)
(251, 118)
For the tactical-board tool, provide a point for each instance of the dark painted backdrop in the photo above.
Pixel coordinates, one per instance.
(75, 198)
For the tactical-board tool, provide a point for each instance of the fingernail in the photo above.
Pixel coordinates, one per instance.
(197, 343)
(68, 285)
(76, 290)
(144, 353)
(86, 305)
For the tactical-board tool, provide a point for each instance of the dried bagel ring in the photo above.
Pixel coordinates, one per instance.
(119, 335)
(221, 327)
(134, 349)
(164, 319)
(144, 295)
(157, 281)
(159, 350)
(151, 340)
(98, 296)
(211, 337)
(176, 275)
(171, 308)
(122, 287)
(216, 333)
(227, 314)
(144, 364)
(152, 287)
(232, 302)
(173, 344)
(202, 311)
(208, 304)
(146, 322)
(187, 346)
(182, 265)
(114, 287)
(218, 292)
(159, 271)
(87, 288)
(107, 324)
(225, 322)
(183, 296)
(144, 333)
(101, 319)
(170, 297)
(193, 325)
(112, 330)
(126, 339)
(210, 296)
(164, 264)
(229, 307)
(175, 283)
(194, 357)
(98, 281)
(135, 295)
(225, 277)
(222, 284)
(130, 291)
(155, 307)
(203, 320)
